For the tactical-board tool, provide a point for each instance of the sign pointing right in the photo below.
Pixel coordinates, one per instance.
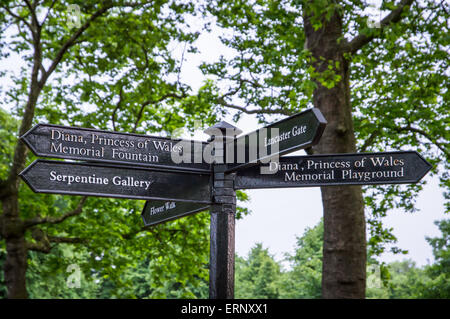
(298, 131)
(337, 169)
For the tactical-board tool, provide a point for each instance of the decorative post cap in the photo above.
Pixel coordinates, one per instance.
(225, 128)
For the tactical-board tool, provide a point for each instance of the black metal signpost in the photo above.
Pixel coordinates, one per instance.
(146, 167)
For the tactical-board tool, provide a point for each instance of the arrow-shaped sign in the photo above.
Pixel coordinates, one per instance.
(76, 143)
(57, 177)
(337, 169)
(296, 132)
(156, 212)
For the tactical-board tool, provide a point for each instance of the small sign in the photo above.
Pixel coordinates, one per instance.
(75, 143)
(156, 212)
(90, 179)
(296, 132)
(337, 169)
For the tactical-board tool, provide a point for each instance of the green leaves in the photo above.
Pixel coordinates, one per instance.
(118, 72)
(257, 276)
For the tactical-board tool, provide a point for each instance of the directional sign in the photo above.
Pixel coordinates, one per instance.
(288, 135)
(156, 212)
(57, 177)
(111, 147)
(337, 169)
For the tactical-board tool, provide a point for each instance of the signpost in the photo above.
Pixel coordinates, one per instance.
(159, 211)
(89, 179)
(144, 167)
(337, 169)
(75, 143)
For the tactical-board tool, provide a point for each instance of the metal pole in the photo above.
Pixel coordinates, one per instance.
(222, 229)
(222, 237)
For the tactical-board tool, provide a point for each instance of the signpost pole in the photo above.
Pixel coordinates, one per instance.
(223, 212)
(222, 237)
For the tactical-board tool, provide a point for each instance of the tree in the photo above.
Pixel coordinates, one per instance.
(439, 273)
(258, 275)
(109, 67)
(304, 280)
(379, 88)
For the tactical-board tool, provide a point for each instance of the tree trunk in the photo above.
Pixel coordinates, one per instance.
(13, 227)
(15, 266)
(344, 248)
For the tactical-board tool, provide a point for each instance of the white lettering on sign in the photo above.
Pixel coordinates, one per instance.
(366, 169)
(72, 179)
(130, 182)
(161, 209)
(58, 135)
(125, 181)
(295, 131)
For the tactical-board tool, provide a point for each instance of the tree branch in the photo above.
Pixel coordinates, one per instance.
(17, 17)
(48, 12)
(139, 116)
(148, 102)
(150, 229)
(369, 141)
(32, 8)
(39, 247)
(362, 39)
(441, 146)
(43, 245)
(71, 41)
(116, 108)
(130, 235)
(222, 101)
(67, 240)
(56, 220)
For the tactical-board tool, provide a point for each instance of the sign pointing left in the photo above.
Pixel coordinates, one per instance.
(156, 212)
(90, 179)
(76, 143)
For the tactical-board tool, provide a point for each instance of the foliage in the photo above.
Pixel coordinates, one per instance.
(439, 272)
(260, 275)
(48, 276)
(305, 278)
(116, 71)
(257, 276)
(8, 125)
